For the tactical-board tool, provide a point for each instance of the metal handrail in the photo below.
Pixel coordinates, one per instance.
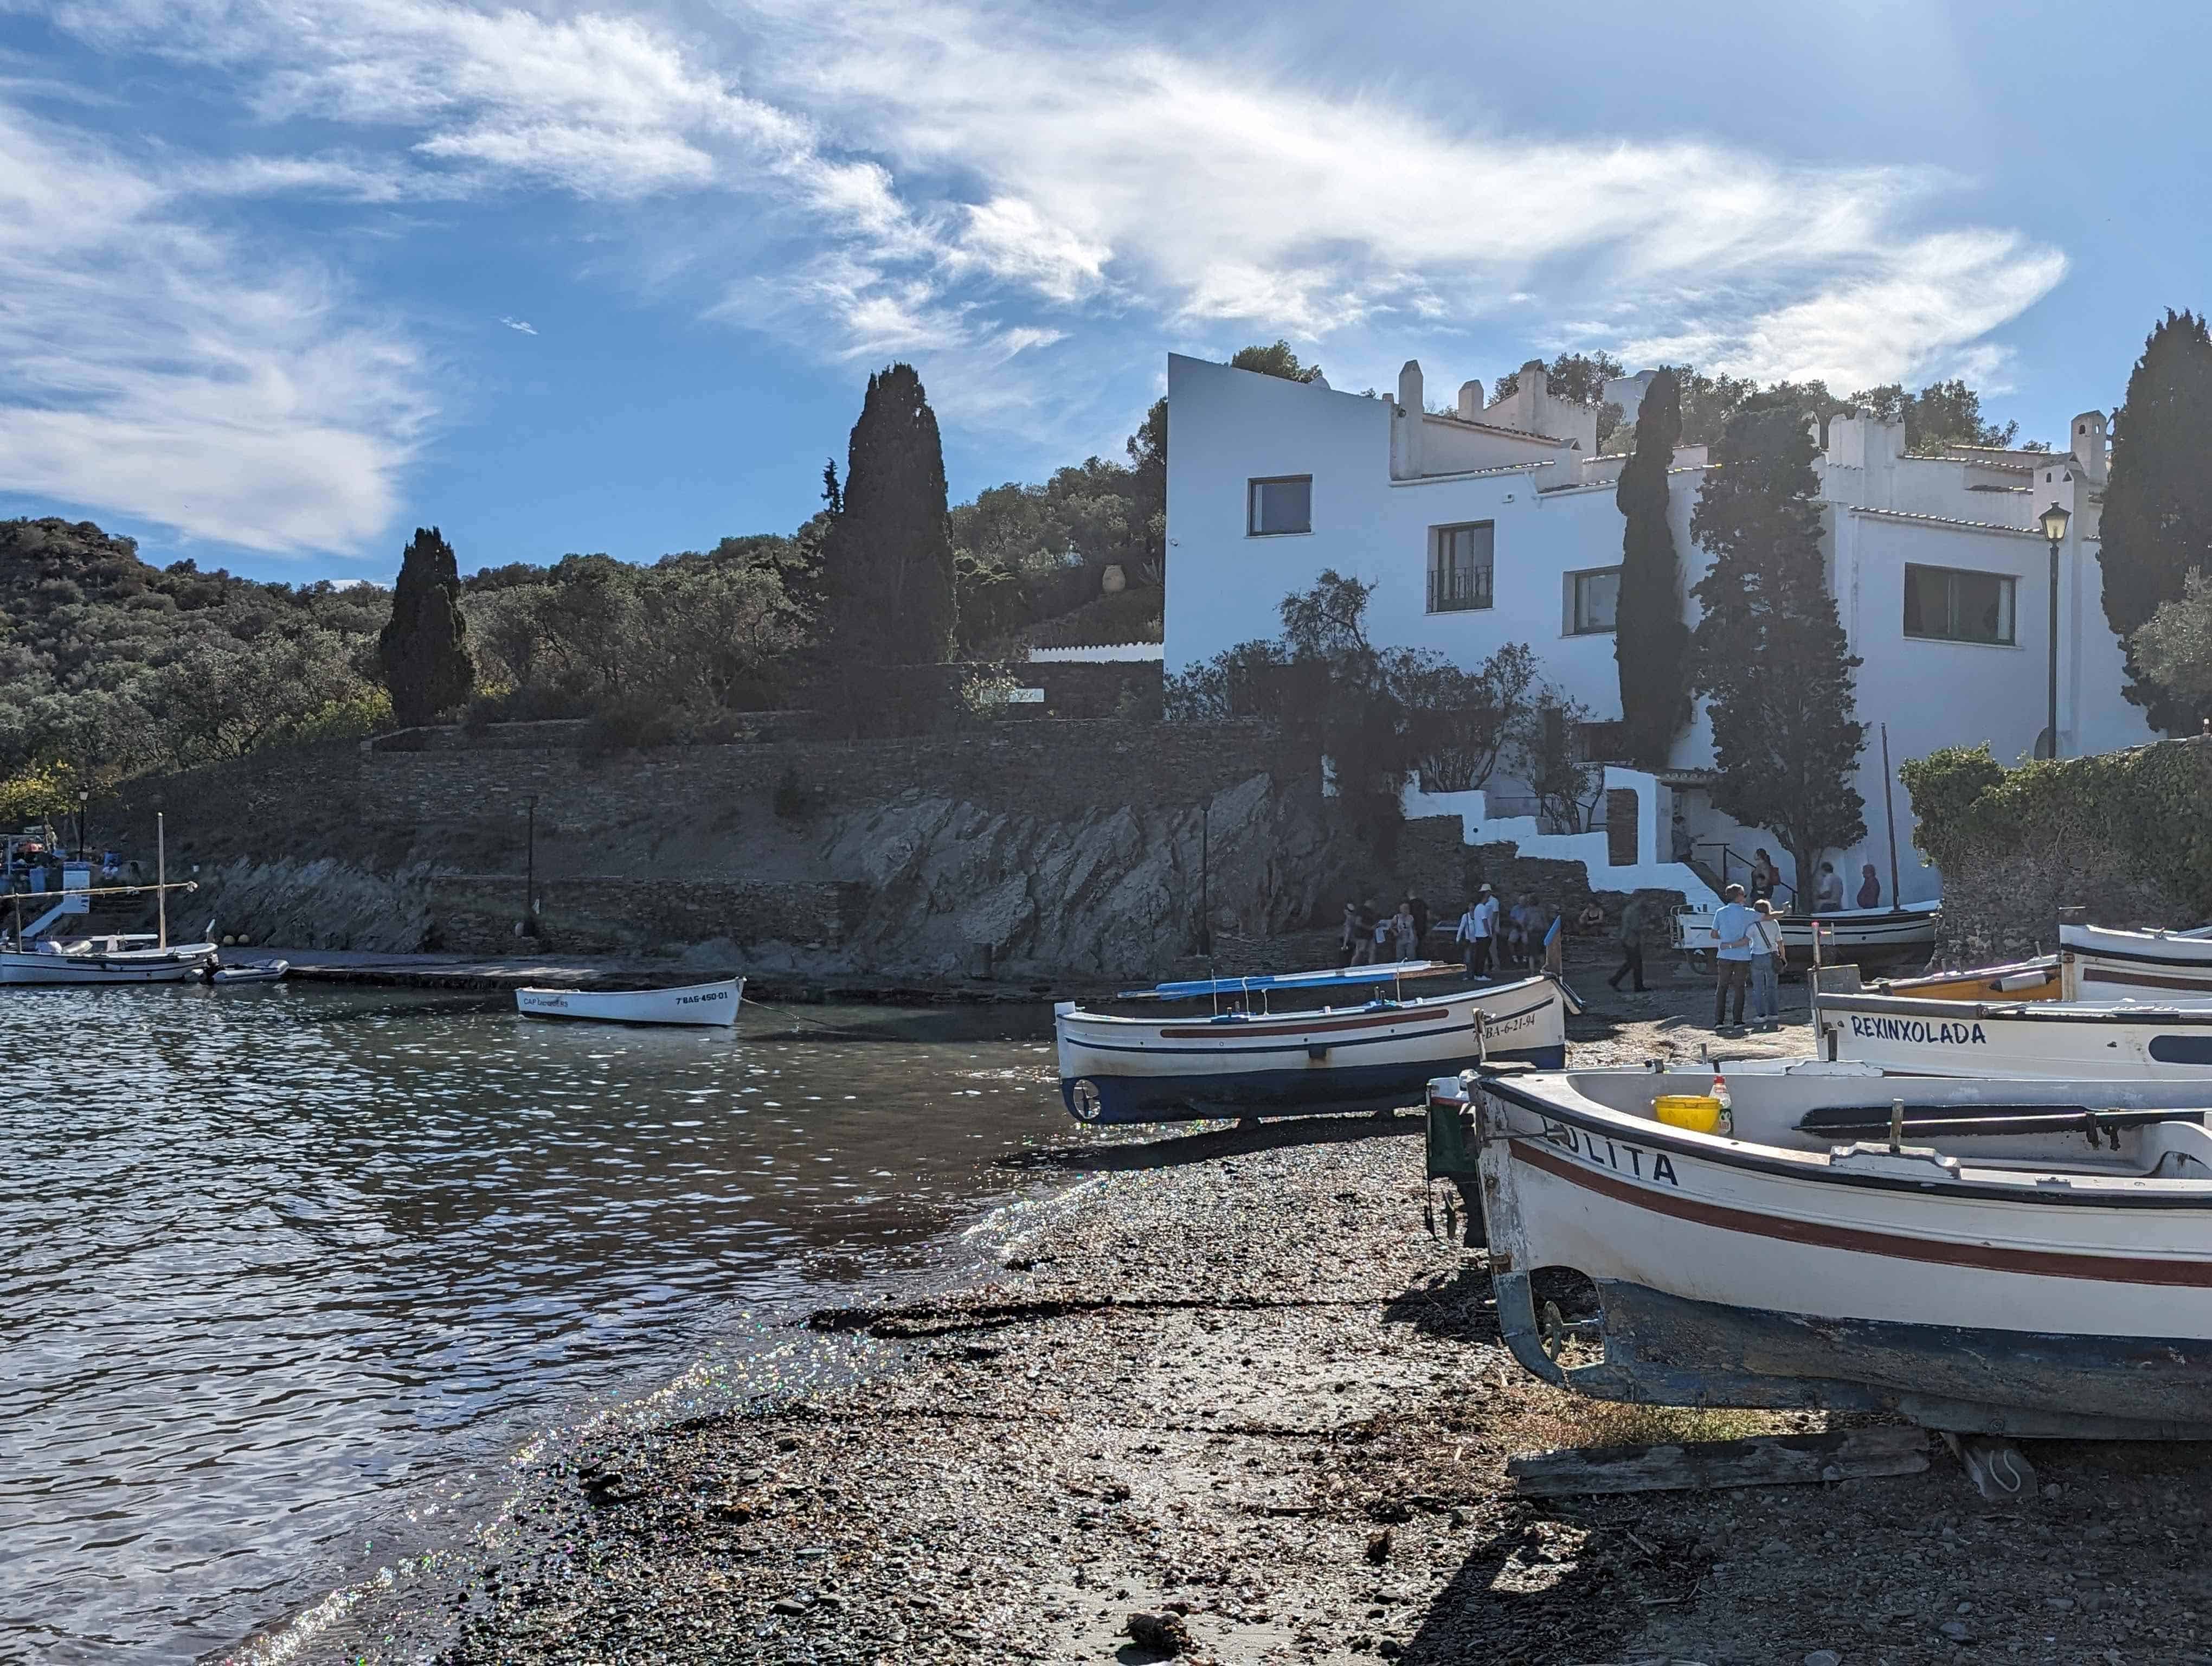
(1726, 851)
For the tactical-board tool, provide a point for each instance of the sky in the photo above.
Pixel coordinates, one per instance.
(281, 280)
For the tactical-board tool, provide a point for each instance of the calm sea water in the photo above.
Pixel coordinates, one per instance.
(279, 1263)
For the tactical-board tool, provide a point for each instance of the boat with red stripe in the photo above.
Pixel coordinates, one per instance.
(1374, 1038)
(2019, 1257)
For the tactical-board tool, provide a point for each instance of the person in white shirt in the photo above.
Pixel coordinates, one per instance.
(1828, 896)
(1732, 959)
(1477, 930)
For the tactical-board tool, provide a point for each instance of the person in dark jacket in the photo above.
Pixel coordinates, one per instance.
(1869, 888)
(1633, 919)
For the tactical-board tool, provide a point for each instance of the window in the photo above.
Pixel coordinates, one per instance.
(1592, 600)
(1459, 566)
(1280, 506)
(1956, 606)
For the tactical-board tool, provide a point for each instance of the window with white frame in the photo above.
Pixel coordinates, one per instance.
(1592, 600)
(1460, 566)
(1955, 605)
(1281, 504)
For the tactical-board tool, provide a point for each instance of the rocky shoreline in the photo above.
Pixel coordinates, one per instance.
(1241, 1391)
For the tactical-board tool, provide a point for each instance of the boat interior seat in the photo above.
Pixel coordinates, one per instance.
(2179, 1150)
(1953, 1122)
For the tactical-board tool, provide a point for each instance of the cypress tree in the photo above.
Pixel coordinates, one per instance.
(1769, 653)
(1651, 642)
(424, 651)
(887, 561)
(2157, 523)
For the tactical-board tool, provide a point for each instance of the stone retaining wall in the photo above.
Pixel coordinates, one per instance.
(479, 913)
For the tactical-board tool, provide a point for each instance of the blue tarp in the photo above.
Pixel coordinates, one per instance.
(1349, 978)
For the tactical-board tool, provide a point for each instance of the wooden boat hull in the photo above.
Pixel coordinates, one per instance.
(1375, 1056)
(713, 1003)
(2103, 964)
(2024, 980)
(175, 965)
(1986, 1298)
(2118, 1042)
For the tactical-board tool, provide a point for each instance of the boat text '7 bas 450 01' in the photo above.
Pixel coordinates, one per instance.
(1253, 1058)
(2003, 1258)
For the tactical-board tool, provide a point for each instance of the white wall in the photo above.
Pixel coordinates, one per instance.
(1228, 426)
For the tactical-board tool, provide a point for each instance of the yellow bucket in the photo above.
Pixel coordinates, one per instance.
(1700, 1113)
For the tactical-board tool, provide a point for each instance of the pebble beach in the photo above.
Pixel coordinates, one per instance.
(1238, 1395)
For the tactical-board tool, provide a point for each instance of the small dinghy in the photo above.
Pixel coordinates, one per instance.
(265, 971)
(2102, 963)
(1255, 1059)
(2001, 1257)
(694, 1003)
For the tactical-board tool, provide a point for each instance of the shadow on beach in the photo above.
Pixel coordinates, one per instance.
(1179, 1149)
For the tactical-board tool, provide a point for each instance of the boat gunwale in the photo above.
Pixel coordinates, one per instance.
(2044, 1011)
(669, 989)
(1075, 1011)
(1818, 1168)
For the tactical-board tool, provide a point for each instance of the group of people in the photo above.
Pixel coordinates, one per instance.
(1375, 939)
(1827, 889)
(1490, 936)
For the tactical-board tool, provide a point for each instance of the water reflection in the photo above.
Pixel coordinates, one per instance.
(275, 1257)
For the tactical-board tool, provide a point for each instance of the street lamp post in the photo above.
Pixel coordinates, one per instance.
(2054, 520)
(83, 798)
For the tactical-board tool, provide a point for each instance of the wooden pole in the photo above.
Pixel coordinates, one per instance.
(161, 875)
(1889, 810)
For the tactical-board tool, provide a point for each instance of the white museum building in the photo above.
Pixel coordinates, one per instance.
(1497, 524)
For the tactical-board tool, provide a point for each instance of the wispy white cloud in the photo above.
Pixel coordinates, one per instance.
(1023, 204)
(522, 325)
(160, 369)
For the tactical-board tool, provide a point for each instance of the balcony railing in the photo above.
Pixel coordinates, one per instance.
(1458, 589)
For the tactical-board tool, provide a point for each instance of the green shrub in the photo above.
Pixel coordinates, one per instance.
(2146, 805)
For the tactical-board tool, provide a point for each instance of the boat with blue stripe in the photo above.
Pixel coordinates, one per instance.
(1248, 1056)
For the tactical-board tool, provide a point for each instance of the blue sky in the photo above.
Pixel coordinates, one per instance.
(280, 279)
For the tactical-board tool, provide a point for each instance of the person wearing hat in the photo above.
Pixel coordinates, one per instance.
(1476, 929)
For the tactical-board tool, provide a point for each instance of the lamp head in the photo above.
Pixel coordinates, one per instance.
(2054, 520)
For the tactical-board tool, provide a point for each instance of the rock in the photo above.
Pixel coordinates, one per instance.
(1160, 1633)
(1774, 1547)
(321, 904)
(1111, 891)
(1378, 1547)
(1957, 1630)
(1824, 1657)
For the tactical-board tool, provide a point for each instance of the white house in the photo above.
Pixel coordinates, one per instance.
(1497, 524)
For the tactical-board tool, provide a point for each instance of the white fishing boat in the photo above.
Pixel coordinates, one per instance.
(1851, 935)
(2135, 1041)
(117, 958)
(2101, 964)
(2020, 1258)
(124, 957)
(692, 1003)
(1255, 1058)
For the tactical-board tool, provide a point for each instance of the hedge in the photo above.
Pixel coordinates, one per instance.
(2146, 805)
